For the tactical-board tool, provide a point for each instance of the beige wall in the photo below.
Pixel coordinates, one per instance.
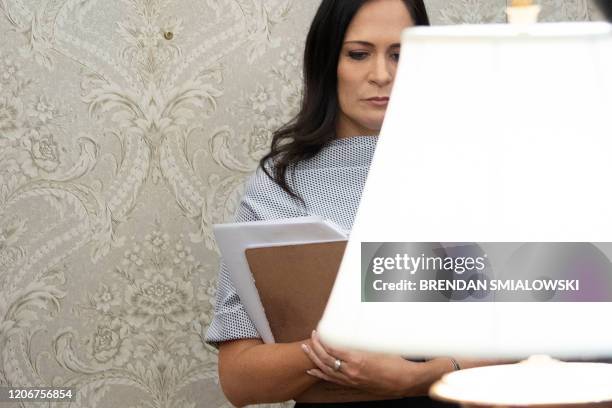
(126, 130)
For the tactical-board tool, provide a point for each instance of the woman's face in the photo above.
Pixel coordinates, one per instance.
(367, 64)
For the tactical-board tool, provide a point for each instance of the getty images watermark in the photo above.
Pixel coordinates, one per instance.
(481, 272)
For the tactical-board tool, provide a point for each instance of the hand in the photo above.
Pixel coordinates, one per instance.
(377, 373)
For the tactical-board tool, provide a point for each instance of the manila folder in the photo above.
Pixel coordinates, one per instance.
(294, 283)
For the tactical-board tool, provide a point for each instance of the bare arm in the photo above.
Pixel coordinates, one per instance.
(253, 372)
(418, 378)
(471, 363)
(379, 373)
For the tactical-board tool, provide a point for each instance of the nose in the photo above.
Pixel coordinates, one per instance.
(381, 72)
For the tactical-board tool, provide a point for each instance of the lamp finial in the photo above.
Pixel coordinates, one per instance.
(523, 12)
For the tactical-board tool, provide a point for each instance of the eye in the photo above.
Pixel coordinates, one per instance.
(358, 55)
(395, 56)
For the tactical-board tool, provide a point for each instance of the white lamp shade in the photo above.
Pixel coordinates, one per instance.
(494, 133)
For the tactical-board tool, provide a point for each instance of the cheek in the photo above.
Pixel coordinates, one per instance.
(393, 71)
(349, 82)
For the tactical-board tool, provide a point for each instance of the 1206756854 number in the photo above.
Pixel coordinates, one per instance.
(36, 394)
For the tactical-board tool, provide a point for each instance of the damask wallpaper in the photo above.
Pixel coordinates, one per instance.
(127, 128)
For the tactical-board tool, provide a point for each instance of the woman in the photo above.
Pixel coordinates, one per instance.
(317, 166)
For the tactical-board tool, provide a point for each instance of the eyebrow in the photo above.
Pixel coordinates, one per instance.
(369, 44)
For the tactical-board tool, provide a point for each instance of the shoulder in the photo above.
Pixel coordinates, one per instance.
(354, 151)
(265, 199)
(261, 183)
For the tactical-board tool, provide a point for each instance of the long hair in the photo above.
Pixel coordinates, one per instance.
(606, 7)
(315, 124)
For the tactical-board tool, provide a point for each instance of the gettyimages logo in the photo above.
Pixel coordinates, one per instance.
(499, 272)
(459, 264)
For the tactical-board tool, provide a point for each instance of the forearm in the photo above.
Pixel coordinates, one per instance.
(266, 373)
(417, 381)
(471, 363)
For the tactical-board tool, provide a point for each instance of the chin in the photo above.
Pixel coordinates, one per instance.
(370, 131)
(373, 125)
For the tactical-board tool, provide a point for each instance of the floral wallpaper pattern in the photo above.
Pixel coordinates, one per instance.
(126, 130)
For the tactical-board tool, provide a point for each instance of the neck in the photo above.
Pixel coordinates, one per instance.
(345, 127)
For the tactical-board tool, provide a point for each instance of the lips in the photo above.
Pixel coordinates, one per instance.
(378, 101)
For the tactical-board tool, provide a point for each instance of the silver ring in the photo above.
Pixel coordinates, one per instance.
(337, 364)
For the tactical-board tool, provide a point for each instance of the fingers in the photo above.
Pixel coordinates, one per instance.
(337, 353)
(321, 351)
(325, 369)
(314, 357)
(320, 374)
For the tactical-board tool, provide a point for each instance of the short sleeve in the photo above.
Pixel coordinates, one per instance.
(230, 320)
(263, 200)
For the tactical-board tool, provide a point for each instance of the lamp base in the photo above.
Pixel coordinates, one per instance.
(538, 381)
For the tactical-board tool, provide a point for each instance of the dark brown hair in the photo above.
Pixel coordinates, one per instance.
(606, 7)
(315, 124)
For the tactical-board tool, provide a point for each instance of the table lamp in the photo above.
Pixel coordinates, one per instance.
(485, 226)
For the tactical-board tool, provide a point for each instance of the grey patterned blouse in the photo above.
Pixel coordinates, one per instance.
(330, 184)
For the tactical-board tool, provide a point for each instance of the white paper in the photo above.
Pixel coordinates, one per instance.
(234, 239)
